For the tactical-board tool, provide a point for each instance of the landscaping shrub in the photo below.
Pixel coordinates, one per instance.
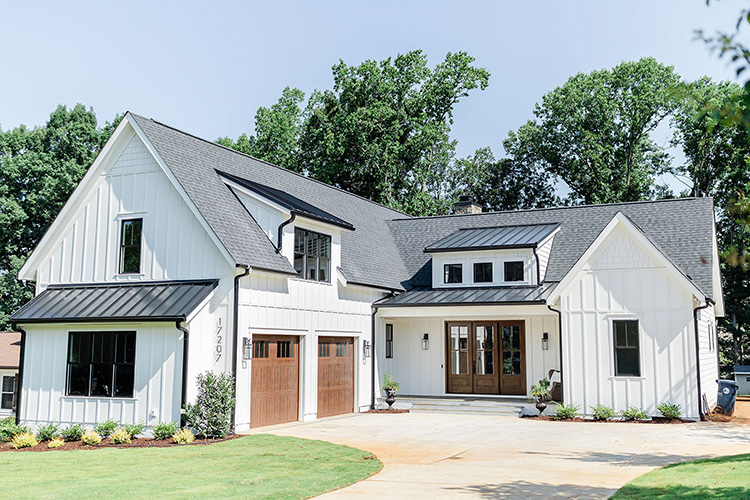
(602, 412)
(24, 440)
(91, 437)
(47, 432)
(56, 443)
(211, 415)
(72, 433)
(9, 429)
(104, 429)
(183, 436)
(134, 430)
(164, 430)
(633, 413)
(120, 436)
(566, 412)
(670, 411)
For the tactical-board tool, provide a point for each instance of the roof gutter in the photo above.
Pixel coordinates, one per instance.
(281, 230)
(559, 342)
(185, 343)
(235, 333)
(19, 381)
(697, 356)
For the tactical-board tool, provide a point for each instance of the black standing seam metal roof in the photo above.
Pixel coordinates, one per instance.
(292, 203)
(424, 296)
(137, 301)
(487, 238)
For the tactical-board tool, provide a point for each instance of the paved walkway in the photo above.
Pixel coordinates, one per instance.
(438, 456)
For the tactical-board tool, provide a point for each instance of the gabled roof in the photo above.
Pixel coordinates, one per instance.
(10, 349)
(137, 301)
(491, 238)
(291, 203)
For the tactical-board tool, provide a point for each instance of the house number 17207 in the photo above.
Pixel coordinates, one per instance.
(219, 346)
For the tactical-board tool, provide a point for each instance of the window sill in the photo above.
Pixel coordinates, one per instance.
(303, 280)
(101, 398)
(625, 377)
(123, 276)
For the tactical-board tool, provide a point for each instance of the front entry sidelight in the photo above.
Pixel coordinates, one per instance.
(485, 357)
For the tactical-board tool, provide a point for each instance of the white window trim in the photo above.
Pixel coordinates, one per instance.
(611, 318)
(119, 218)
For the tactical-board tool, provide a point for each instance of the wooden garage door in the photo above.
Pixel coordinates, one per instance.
(274, 396)
(335, 376)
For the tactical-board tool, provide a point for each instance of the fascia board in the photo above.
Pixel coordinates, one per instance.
(256, 196)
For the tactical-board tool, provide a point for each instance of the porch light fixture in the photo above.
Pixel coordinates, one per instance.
(425, 341)
(545, 341)
(366, 349)
(247, 348)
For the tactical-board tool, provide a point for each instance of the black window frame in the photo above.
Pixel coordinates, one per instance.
(449, 277)
(512, 272)
(12, 393)
(312, 249)
(628, 348)
(483, 273)
(388, 340)
(119, 363)
(127, 247)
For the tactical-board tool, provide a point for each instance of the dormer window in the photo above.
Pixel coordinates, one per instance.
(312, 255)
(483, 272)
(514, 271)
(130, 246)
(453, 273)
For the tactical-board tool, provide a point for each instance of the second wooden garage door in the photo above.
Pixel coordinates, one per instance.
(274, 391)
(335, 376)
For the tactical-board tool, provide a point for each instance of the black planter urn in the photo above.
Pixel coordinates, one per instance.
(390, 397)
(541, 406)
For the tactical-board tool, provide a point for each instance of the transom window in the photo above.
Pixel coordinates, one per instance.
(130, 246)
(388, 341)
(453, 273)
(101, 364)
(8, 398)
(514, 271)
(483, 272)
(312, 255)
(627, 356)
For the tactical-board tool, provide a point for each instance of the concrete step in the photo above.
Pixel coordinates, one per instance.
(483, 406)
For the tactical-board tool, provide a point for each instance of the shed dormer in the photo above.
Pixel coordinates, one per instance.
(492, 256)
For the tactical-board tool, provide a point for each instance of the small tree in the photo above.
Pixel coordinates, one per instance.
(211, 415)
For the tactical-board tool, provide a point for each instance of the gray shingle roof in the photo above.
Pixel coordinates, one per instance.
(681, 228)
(424, 296)
(164, 300)
(486, 238)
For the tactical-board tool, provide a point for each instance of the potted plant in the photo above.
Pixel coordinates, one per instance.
(540, 395)
(390, 387)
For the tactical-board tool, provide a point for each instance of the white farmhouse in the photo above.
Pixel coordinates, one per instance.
(175, 256)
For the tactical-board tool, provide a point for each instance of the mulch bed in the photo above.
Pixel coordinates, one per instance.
(107, 443)
(392, 410)
(654, 420)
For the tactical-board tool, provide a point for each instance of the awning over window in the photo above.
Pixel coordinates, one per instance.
(152, 301)
(469, 296)
(489, 238)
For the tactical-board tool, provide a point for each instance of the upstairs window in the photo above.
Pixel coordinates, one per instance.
(8, 401)
(101, 364)
(514, 271)
(453, 273)
(312, 255)
(483, 272)
(627, 355)
(130, 246)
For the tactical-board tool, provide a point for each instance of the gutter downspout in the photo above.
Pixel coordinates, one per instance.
(372, 358)
(538, 272)
(559, 341)
(185, 339)
(697, 357)
(235, 332)
(19, 381)
(281, 230)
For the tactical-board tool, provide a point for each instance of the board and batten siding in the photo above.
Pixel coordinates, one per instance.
(156, 398)
(709, 354)
(625, 282)
(175, 244)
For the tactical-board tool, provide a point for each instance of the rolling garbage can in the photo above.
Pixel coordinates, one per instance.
(727, 396)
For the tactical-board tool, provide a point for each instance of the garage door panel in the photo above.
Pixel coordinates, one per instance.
(335, 376)
(274, 396)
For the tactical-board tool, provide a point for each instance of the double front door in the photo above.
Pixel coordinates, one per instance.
(486, 357)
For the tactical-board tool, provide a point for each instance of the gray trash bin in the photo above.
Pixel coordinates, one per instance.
(727, 396)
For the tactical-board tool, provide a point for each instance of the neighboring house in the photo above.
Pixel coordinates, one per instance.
(742, 377)
(10, 351)
(175, 256)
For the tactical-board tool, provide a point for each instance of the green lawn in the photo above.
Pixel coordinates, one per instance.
(724, 477)
(258, 466)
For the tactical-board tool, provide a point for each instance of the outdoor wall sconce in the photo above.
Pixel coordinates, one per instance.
(545, 341)
(366, 349)
(247, 348)
(425, 341)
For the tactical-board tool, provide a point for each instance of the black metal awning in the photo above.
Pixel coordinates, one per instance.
(141, 301)
(465, 296)
(492, 238)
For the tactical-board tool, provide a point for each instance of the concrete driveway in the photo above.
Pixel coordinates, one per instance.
(430, 455)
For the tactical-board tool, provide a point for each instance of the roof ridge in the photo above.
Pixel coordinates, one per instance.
(270, 164)
(509, 225)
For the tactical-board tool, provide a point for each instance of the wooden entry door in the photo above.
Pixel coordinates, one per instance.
(513, 349)
(460, 359)
(484, 345)
(335, 376)
(274, 388)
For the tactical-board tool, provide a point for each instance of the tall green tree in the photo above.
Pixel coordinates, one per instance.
(39, 169)
(593, 132)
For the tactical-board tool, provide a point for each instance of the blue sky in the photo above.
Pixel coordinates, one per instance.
(205, 67)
